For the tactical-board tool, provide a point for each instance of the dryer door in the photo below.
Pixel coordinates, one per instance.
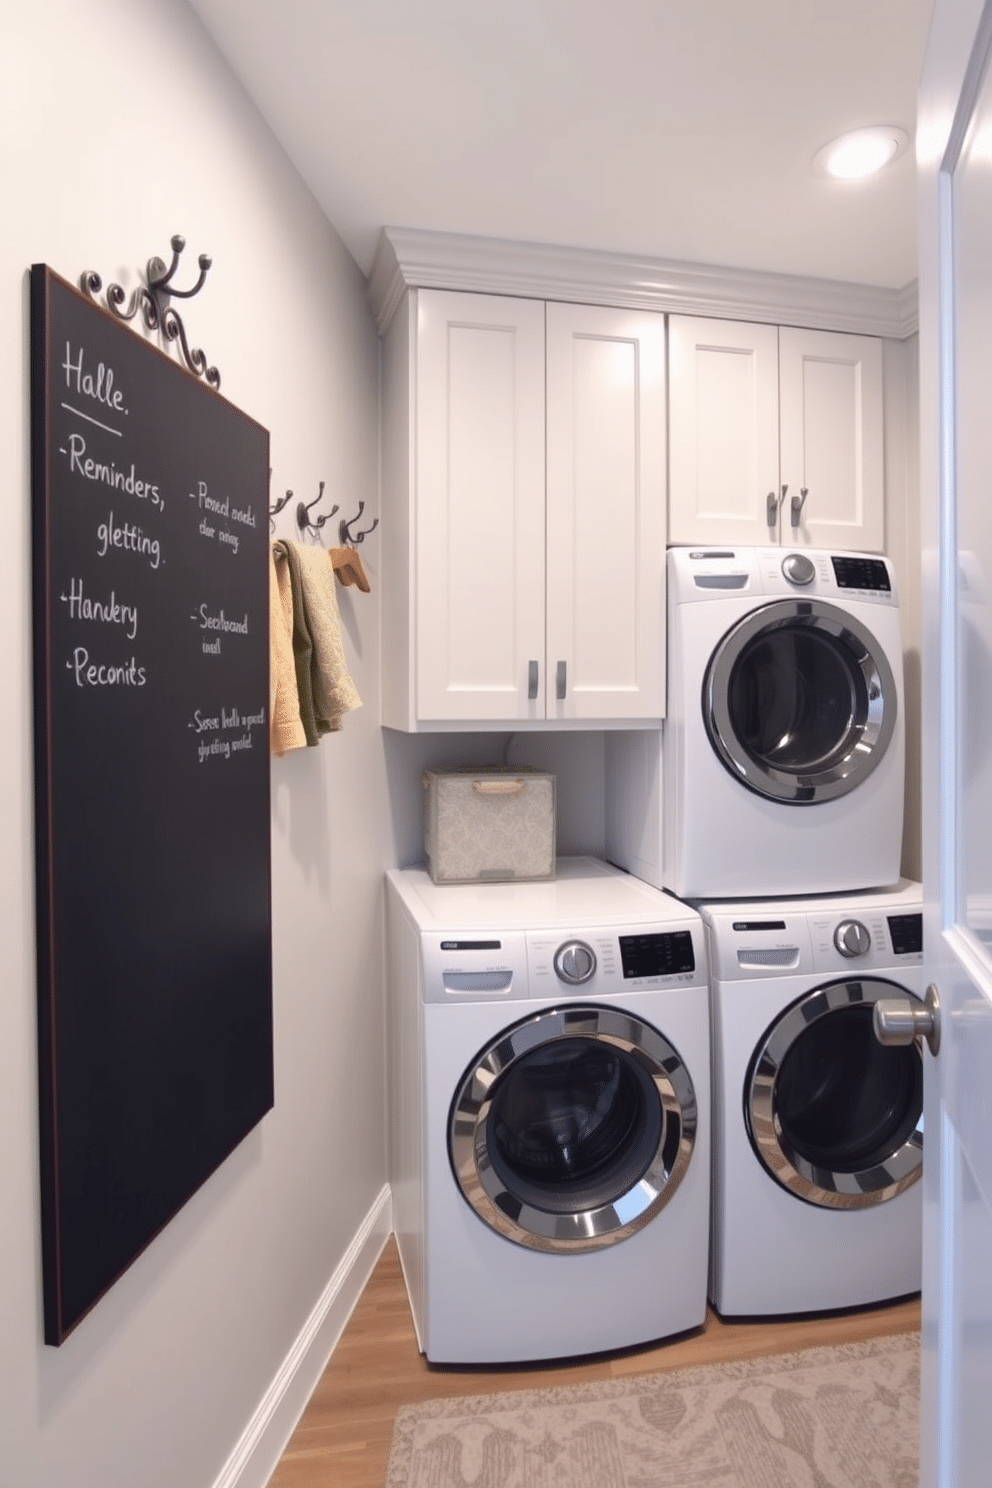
(836, 1118)
(799, 701)
(573, 1128)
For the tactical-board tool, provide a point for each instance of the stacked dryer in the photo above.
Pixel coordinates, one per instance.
(782, 771)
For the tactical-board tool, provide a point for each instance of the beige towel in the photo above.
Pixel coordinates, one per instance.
(334, 691)
(284, 700)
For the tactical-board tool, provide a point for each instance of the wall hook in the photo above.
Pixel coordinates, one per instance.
(345, 534)
(275, 510)
(153, 301)
(160, 277)
(303, 510)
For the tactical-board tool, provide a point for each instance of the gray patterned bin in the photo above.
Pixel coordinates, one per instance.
(495, 823)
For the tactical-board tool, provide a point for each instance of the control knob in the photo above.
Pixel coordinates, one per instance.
(851, 938)
(799, 569)
(575, 962)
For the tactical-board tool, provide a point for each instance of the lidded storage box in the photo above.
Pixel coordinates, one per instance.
(496, 823)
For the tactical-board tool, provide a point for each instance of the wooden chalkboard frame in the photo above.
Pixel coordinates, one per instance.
(152, 810)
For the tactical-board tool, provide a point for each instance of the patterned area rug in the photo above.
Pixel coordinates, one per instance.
(845, 1417)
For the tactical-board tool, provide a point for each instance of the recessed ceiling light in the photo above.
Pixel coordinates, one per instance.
(861, 153)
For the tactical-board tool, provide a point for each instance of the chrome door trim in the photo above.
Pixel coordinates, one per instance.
(587, 1229)
(869, 735)
(815, 1184)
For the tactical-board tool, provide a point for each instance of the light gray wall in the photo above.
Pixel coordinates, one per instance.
(120, 127)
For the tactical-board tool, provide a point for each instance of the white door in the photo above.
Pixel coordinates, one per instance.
(955, 161)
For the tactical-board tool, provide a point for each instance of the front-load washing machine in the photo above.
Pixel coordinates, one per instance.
(549, 1112)
(817, 1128)
(783, 747)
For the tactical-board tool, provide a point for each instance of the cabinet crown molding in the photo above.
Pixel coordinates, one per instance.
(409, 258)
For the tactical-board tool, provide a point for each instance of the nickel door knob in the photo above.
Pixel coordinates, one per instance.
(897, 1020)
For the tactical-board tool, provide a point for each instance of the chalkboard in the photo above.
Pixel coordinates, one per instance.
(150, 568)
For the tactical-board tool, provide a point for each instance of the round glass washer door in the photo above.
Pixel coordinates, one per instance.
(833, 1115)
(799, 701)
(573, 1128)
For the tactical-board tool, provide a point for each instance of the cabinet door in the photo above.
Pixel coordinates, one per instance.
(479, 521)
(831, 440)
(723, 433)
(606, 513)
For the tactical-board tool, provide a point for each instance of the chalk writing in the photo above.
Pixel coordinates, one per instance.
(218, 729)
(98, 385)
(221, 622)
(108, 611)
(80, 463)
(129, 538)
(88, 673)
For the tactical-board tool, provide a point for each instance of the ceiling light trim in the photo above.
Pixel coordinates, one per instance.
(861, 154)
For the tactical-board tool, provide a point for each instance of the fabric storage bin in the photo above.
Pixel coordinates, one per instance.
(495, 823)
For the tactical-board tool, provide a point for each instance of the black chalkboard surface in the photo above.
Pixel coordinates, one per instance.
(150, 496)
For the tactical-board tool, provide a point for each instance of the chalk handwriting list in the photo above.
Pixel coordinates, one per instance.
(219, 625)
(108, 473)
(108, 611)
(87, 673)
(214, 730)
(130, 538)
(222, 512)
(92, 393)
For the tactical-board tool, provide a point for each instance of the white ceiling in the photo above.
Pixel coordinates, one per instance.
(679, 130)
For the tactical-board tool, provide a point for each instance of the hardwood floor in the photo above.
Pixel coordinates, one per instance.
(344, 1435)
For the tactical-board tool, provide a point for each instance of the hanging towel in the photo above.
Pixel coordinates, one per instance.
(349, 568)
(334, 691)
(331, 688)
(287, 731)
(286, 555)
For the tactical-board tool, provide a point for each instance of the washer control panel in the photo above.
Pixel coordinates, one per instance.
(508, 966)
(629, 958)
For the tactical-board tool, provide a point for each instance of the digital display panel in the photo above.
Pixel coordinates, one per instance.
(861, 573)
(662, 954)
(907, 933)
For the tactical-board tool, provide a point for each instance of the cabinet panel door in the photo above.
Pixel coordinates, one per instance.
(480, 506)
(606, 513)
(831, 439)
(724, 459)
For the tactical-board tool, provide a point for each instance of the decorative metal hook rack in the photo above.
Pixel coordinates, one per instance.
(345, 534)
(152, 299)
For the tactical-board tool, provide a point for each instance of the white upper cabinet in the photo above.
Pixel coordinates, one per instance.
(776, 436)
(606, 498)
(524, 470)
(479, 505)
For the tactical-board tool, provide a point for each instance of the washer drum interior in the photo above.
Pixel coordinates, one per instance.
(799, 701)
(834, 1116)
(573, 1128)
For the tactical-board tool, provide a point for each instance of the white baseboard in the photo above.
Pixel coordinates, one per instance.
(263, 1440)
